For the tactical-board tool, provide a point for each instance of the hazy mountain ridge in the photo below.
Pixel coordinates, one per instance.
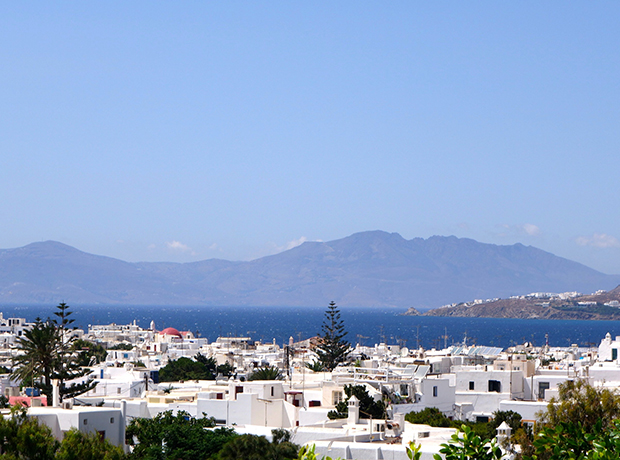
(365, 269)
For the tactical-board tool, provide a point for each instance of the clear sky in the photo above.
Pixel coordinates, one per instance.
(184, 131)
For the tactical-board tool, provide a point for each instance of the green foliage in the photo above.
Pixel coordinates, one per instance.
(564, 441)
(46, 353)
(315, 366)
(88, 353)
(202, 368)
(578, 401)
(332, 349)
(87, 446)
(184, 369)
(266, 373)
(22, 437)
(307, 453)
(122, 346)
(37, 361)
(251, 447)
(176, 437)
(581, 423)
(368, 406)
(429, 416)
(466, 445)
(414, 451)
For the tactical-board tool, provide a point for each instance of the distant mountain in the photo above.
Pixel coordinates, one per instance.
(374, 269)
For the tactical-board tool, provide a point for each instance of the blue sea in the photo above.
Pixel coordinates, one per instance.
(364, 325)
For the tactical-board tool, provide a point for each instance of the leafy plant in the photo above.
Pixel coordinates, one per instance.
(266, 373)
(466, 445)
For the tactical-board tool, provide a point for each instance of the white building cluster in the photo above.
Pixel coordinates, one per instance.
(463, 382)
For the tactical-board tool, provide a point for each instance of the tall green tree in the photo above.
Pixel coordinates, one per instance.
(38, 356)
(45, 353)
(332, 349)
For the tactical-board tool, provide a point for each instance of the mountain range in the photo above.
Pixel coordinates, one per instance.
(367, 269)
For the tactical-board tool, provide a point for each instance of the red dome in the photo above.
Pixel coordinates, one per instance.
(171, 331)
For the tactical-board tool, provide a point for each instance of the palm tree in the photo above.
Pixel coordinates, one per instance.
(266, 373)
(39, 356)
(46, 354)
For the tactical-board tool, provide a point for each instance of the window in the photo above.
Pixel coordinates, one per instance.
(111, 419)
(482, 419)
(404, 390)
(614, 354)
(471, 386)
(272, 391)
(495, 385)
(118, 391)
(542, 386)
(85, 421)
(337, 397)
(435, 391)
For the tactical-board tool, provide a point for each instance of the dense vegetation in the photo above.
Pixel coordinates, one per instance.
(23, 437)
(202, 368)
(582, 423)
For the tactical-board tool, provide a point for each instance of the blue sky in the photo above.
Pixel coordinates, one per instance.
(184, 131)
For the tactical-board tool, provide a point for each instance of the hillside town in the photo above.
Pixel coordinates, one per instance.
(294, 393)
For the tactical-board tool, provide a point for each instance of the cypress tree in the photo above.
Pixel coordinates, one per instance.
(332, 348)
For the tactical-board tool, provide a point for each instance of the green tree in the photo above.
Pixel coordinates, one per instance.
(185, 369)
(332, 349)
(23, 437)
(176, 437)
(68, 363)
(467, 445)
(88, 353)
(266, 373)
(45, 353)
(87, 446)
(122, 346)
(252, 447)
(368, 406)
(578, 401)
(38, 356)
(429, 416)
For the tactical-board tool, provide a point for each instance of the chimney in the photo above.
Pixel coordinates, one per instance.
(55, 393)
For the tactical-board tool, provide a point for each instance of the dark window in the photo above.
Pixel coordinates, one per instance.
(495, 385)
(471, 386)
(434, 391)
(542, 386)
(482, 419)
(614, 354)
